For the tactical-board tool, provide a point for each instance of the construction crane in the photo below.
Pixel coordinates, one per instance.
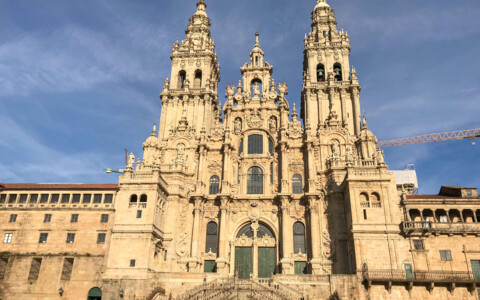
(434, 137)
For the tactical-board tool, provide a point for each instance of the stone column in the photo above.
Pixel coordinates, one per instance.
(316, 260)
(284, 182)
(222, 260)
(286, 261)
(255, 227)
(194, 262)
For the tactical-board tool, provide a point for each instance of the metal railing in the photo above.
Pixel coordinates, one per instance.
(409, 227)
(420, 276)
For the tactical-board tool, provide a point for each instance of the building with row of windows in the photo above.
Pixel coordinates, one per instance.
(256, 201)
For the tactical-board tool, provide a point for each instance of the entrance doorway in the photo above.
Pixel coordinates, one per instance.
(255, 251)
(95, 294)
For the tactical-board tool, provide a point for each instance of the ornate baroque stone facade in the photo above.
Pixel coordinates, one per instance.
(297, 211)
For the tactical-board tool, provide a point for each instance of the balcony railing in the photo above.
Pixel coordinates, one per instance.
(426, 228)
(421, 276)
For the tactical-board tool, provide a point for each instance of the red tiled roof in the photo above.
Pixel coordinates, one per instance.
(433, 197)
(57, 186)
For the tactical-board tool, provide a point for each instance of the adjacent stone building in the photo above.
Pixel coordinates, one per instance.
(245, 198)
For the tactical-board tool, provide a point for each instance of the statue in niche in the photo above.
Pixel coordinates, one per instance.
(238, 125)
(180, 158)
(335, 149)
(256, 90)
(273, 124)
(348, 154)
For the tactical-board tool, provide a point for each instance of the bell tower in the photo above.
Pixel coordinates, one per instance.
(330, 89)
(191, 91)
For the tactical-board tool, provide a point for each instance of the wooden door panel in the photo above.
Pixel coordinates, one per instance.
(266, 262)
(243, 262)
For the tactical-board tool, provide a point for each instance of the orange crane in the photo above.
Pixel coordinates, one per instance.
(434, 137)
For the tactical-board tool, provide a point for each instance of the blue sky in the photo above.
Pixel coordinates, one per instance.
(79, 80)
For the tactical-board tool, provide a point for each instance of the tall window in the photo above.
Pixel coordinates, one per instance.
(255, 144)
(214, 185)
(320, 73)
(240, 147)
(13, 218)
(255, 181)
(74, 218)
(197, 83)
(299, 238)
(182, 76)
(337, 70)
(271, 173)
(47, 218)
(8, 238)
(270, 146)
(297, 184)
(67, 268)
(43, 238)
(70, 238)
(212, 238)
(101, 238)
(35, 268)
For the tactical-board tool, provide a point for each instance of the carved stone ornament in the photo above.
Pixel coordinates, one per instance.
(296, 167)
(295, 130)
(254, 119)
(215, 167)
(182, 245)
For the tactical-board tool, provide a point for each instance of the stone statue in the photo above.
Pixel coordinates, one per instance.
(238, 125)
(130, 161)
(256, 90)
(335, 149)
(273, 124)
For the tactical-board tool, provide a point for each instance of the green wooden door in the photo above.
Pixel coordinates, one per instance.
(266, 262)
(476, 269)
(243, 262)
(300, 267)
(409, 271)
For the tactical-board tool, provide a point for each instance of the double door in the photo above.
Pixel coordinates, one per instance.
(266, 262)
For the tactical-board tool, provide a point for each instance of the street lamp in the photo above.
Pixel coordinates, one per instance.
(122, 293)
(60, 291)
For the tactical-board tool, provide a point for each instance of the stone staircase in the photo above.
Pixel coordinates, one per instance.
(241, 289)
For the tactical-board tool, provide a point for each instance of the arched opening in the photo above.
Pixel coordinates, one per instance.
(468, 216)
(133, 199)
(255, 245)
(255, 181)
(427, 218)
(299, 238)
(182, 77)
(214, 185)
(320, 73)
(197, 83)
(375, 197)
(297, 187)
(454, 215)
(143, 198)
(95, 294)
(337, 71)
(415, 215)
(364, 200)
(256, 87)
(441, 216)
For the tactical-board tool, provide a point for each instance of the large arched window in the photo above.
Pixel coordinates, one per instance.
(297, 187)
(255, 181)
(197, 83)
(299, 238)
(182, 76)
(337, 70)
(320, 73)
(214, 185)
(212, 238)
(255, 144)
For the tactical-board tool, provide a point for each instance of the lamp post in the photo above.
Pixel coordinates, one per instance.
(60, 291)
(122, 293)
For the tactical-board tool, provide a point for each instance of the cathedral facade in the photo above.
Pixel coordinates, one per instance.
(285, 202)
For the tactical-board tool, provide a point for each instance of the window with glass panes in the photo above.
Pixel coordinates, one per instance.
(97, 198)
(54, 198)
(8, 238)
(13, 218)
(87, 198)
(297, 187)
(12, 198)
(76, 198)
(108, 198)
(43, 238)
(33, 198)
(445, 255)
(3, 197)
(214, 185)
(23, 198)
(418, 244)
(255, 144)
(74, 218)
(47, 218)
(104, 218)
(101, 238)
(44, 198)
(70, 238)
(255, 180)
(270, 146)
(65, 198)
